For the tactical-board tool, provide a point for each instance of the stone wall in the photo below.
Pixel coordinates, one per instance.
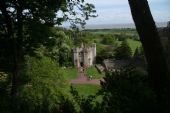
(84, 55)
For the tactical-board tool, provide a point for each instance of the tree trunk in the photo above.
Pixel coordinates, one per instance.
(13, 47)
(146, 28)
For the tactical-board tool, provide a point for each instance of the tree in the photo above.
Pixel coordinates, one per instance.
(127, 91)
(146, 28)
(59, 48)
(41, 88)
(108, 40)
(123, 51)
(29, 22)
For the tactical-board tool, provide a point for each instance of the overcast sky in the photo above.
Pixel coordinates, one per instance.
(118, 11)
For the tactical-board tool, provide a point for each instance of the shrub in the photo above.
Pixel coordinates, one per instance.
(123, 51)
(109, 40)
(42, 87)
(4, 92)
(127, 91)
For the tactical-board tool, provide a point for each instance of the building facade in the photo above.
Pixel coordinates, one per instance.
(84, 56)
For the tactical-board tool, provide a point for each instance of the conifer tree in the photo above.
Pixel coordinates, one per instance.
(123, 51)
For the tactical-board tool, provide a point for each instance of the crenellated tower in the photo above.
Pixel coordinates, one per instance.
(85, 55)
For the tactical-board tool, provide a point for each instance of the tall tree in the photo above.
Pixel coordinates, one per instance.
(123, 51)
(29, 22)
(146, 28)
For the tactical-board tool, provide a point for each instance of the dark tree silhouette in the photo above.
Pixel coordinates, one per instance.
(12, 40)
(146, 28)
(124, 51)
(20, 15)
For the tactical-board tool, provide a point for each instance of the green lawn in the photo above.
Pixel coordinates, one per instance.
(92, 71)
(133, 44)
(87, 89)
(70, 73)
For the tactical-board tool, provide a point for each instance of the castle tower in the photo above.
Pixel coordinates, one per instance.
(76, 57)
(85, 55)
(94, 52)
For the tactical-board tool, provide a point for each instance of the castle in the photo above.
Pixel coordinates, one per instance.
(84, 56)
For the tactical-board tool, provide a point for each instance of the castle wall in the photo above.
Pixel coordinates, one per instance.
(94, 52)
(86, 55)
(75, 57)
(90, 57)
(85, 58)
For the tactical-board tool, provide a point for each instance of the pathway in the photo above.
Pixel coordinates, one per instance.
(83, 79)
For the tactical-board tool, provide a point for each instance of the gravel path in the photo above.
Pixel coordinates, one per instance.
(82, 79)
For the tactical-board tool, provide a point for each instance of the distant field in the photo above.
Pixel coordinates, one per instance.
(129, 33)
(111, 31)
(70, 73)
(132, 43)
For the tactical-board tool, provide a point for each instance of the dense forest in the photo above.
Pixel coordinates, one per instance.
(36, 60)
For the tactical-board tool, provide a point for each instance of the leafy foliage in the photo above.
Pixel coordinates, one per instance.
(85, 104)
(127, 91)
(4, 86)
(42, 86)
(4, 79)
(109, 40)
(28, 24)
(60, 49)
(123, 52)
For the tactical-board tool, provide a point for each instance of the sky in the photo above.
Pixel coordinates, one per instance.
(118, 11)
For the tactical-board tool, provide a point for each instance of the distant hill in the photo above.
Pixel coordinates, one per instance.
(110, 26)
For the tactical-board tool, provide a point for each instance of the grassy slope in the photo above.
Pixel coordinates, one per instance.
(133, 44)
(87, 89)
(92, 71)
(70, 73)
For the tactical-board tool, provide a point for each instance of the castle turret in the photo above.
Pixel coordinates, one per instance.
(85, 55)
(94, 52)
(76, 57)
